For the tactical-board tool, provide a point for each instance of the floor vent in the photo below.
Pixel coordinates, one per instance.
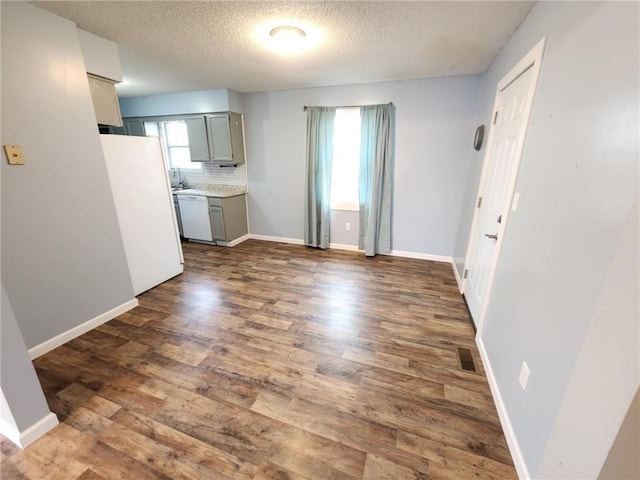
(466, 360)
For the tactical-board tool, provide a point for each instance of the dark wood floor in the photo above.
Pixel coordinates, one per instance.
(271, 361)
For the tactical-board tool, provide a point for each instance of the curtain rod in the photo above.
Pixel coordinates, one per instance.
(345, 106)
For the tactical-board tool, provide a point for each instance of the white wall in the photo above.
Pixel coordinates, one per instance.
(63, 260)
(100, 55)
(578, 182)
(434, 132)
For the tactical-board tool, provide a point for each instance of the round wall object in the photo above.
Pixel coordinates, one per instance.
(477, 140)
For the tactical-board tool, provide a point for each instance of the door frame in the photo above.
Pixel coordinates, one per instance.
(533, 60)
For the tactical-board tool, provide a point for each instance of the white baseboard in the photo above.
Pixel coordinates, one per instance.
(238, 240)
(343, 246)
(31, 434)
(38, 429)
(421, 256)
(64, 337)
(267, 238)
(505, 421)
(340, 246)
(456, 274)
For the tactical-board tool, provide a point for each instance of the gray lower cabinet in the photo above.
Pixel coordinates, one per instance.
(228, 217)
(217, 223)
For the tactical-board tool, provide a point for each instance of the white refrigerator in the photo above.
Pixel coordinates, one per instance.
(144, 204)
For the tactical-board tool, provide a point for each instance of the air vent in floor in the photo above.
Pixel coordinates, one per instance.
(466, 360)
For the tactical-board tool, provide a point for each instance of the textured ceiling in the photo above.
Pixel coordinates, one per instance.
(169, 46)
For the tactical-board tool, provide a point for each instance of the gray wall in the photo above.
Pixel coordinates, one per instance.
(578, 180)
(20, 386)
(339, 234)
(203, 101)
(434, 132)
(63, 261)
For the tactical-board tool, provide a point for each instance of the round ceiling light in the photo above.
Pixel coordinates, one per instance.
(288, 39)
(286, 33)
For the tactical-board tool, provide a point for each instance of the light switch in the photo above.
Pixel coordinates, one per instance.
(14, 154)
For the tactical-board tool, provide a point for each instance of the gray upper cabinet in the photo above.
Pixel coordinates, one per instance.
(226, 138)
(198, 145)
(219, 137)
(134, 126)
(216, 137)
(237, 137)
(213, 137)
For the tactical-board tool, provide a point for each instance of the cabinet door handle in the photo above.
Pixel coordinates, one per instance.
(492, 237)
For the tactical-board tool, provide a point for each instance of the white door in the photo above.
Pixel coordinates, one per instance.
(512, 107)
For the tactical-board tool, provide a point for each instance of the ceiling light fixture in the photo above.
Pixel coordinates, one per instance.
(287, 33)
(288, 40)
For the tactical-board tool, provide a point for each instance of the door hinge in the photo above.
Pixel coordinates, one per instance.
(479, 202)
(495, 117)
(466, 272)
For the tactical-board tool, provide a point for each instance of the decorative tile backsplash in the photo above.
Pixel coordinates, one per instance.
(211, 174)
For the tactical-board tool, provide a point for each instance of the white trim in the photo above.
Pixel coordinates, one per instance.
(354, 248)
(235, 242)
(64, 337)
(30, 434)
(457, 275)
(421, 256)
(533, 60)
(344, 246)
(38, 429)
(268, 238)
(503, 414)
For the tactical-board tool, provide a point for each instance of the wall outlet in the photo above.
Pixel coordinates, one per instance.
(524, 375)
(347, 226)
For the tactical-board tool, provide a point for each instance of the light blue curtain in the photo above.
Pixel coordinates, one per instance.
(317, 209)
(376, 170)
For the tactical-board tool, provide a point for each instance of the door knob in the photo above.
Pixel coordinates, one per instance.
(492, 237)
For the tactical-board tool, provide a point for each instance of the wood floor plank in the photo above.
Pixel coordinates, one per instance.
(377, 468)
(111, 464)
(192, 457)
(269, 361)
(270, 471)
(57, 455)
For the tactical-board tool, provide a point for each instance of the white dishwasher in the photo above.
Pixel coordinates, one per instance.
(194, 212)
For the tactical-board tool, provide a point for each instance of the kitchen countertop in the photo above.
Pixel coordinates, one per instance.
(219, 192)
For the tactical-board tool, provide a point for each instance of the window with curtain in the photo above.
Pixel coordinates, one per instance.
(376, 175)
(320, 122)
(345, 168)
(332, 143)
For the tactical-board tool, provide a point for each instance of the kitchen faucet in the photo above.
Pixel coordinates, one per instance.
(181, 181)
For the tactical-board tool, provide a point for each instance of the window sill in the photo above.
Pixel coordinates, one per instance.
(345, 207)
